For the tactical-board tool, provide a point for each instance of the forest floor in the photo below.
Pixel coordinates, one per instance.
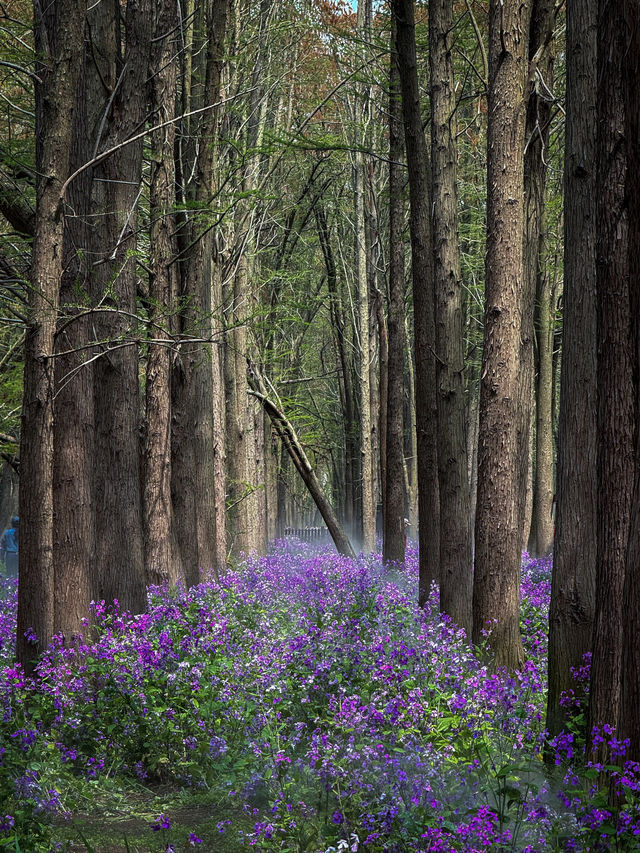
(304, 704)
(119, 821)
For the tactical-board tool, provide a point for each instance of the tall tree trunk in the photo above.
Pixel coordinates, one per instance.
(239, 431)
(59, 30)
(271, 481)
(498, 535)
(347, 398)
(423, 300)
(472, 450)
(283, 469)
(615, 373)
(541, 536)
(117, 468)
(630, 691)
(219, 425)
(8, 492)
(537, 282)
(260, 477)
(456, 562)
(74, 427)
(526, 424)
(379, 401)
(195, 444)
(247, 522)
(378, 354)
(159, 562)
(366, 454)
(393, 540)
(574, 560)
(411, 438)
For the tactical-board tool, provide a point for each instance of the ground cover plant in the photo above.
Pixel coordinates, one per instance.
(304, 703)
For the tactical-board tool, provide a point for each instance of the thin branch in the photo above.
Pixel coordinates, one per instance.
(105, 154)
(483, 52)
(10, 351)
(107, 109)
(20, 68)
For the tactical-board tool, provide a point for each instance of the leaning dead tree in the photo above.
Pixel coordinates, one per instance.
(291, 443)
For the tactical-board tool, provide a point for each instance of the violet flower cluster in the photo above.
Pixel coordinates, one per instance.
(309, 689)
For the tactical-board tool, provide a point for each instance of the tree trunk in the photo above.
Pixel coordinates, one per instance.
(283, 469)
(537, 281)
(366, 455)
(393, 540)
(8, 493)
(59, 31)
(195, 427)
(498, 535)
(525, 429)
(74, 426)
(630, 692)
(379, 401)
(615, 374)
(271, 482)
(260, 478)
(472, 450)
(541, 537)
(347, 398)
(219, 430)
(160, 566)
(378, 354)
(117, 464)
(456, 562)
(411, 440)
(574, 561)
(423, 300)
(239, 433)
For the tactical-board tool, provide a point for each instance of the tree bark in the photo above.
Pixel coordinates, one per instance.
(423, 300)
(379, 401)
(260, 478)
(630, 693)
(195, 445)
(74, 424)
(59, 33)
(541, 535)
(498, 534)
(393, 540)
(117, 464)
(341, 342)
(410, 473)
(239, 432)
(159, 562)
(366, 454)
(271, 482)
(572, 607)
(219, 429)
(456, 562)
(615, 374)
(539, 318)
(472, 448)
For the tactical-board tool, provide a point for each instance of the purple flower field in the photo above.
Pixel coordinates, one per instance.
(330, 713)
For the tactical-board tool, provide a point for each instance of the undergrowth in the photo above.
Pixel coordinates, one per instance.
(304, 703)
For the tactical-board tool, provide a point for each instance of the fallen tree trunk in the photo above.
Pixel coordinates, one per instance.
(291, 443)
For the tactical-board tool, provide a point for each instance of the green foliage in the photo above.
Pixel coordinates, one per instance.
(11, 399)
(32, 776)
